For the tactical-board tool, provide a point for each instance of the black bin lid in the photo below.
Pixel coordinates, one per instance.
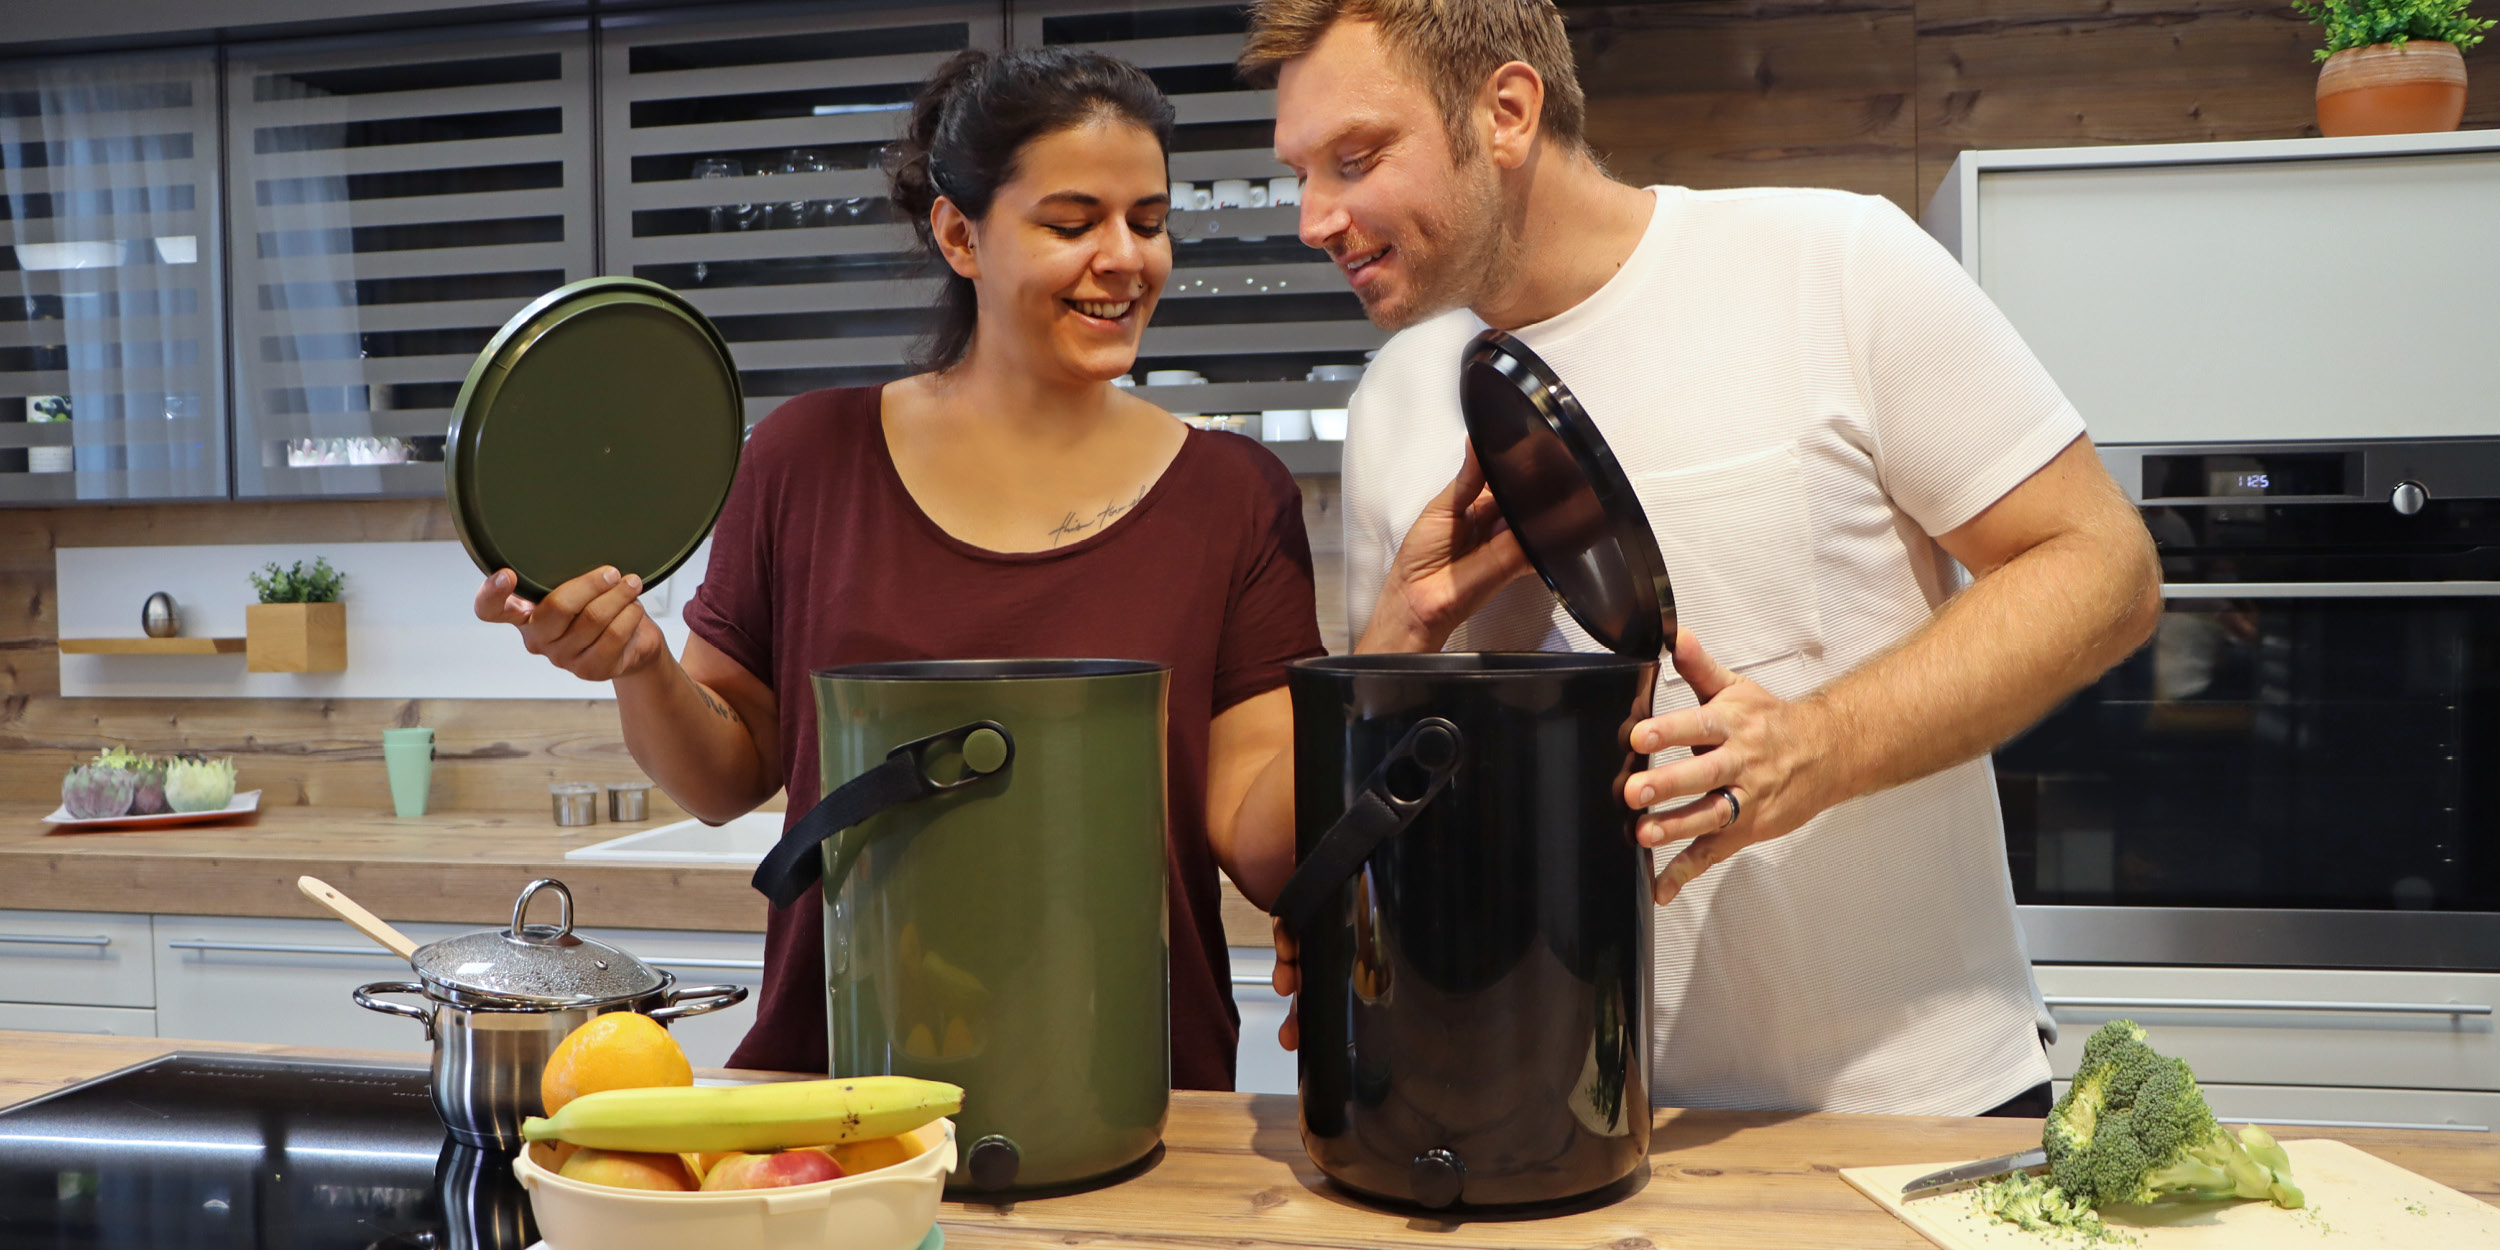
(1565, 497)
(601, 426)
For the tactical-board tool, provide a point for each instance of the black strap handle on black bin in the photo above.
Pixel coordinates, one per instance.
(986, 748)
(1406, 781)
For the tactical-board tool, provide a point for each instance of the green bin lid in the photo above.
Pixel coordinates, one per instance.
(601, 426)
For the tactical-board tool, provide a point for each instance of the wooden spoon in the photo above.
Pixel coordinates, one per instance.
(366, 922)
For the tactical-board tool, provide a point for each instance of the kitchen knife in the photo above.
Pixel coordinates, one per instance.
(1979, 1171)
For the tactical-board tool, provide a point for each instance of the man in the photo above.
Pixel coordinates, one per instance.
(1821, 415)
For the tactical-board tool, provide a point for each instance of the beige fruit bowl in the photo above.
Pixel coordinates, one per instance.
(889, 1208)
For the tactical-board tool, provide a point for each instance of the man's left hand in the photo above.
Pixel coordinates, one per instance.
(1752, 768)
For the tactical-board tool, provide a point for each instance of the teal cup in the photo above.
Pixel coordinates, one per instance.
(409, 754)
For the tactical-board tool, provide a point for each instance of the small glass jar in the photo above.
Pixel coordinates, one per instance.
(576, 802)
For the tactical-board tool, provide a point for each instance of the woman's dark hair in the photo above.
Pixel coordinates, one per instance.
(969, 123)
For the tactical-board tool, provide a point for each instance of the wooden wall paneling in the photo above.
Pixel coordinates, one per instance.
(2065, 73)
(1734, 93)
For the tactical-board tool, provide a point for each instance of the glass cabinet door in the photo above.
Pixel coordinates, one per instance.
(394, 201)
(1256, 332)
(744, 168)
(111, 345)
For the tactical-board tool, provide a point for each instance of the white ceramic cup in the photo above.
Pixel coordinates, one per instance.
(1287, 190)
(1334, 373)
(1184, 195)
(1174, 377)
(1232, 193)
(1328, 424)
(1285, 425)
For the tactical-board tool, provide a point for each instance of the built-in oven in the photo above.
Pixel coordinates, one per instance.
(2302, 768)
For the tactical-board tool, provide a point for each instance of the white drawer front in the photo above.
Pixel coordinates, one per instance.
(54, 1018)
(2293, 1106)
(234, 979)
(75, 958)
(2276, 1026)
(701, 959)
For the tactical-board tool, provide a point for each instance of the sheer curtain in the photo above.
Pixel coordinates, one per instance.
(110, 314)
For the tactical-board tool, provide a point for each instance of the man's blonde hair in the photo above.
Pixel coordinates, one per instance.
(1453, 46)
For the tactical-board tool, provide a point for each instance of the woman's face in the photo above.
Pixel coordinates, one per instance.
(1070, 261)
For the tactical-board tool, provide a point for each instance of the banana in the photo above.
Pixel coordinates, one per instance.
(755, 1118)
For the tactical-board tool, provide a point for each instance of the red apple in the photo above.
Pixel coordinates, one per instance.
(772, 1171)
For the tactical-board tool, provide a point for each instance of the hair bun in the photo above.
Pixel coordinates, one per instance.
(911, 176)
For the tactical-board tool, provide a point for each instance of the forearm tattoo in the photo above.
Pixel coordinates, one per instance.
(719, 709)
(1074, 526)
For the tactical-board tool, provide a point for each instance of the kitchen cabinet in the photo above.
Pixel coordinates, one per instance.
(390, 200)
(241, 979)
(2180, 292)
(76, 959)
(112, 377)
(394, 201)
(54, 1018)
(2337, 1045)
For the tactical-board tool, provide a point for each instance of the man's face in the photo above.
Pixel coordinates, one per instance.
(1416, 230)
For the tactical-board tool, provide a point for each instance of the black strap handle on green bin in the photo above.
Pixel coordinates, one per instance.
(1406, 781)
(986, 748)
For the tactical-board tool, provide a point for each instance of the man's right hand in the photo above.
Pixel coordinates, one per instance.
(593, 626)
(1459, 552)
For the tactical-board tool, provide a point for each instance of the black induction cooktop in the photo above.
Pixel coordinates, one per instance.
(221, 1152)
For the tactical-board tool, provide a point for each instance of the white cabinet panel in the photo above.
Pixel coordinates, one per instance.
(702, 959)
(260, 980)
(89, 959)
(2295, 1106)
(226, 978)
(2279, 1026)
(1261, 1066)
(53, 1018)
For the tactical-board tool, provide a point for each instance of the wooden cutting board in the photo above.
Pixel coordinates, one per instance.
(2356, 1200)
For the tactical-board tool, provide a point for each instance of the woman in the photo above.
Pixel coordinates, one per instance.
(1007, 501)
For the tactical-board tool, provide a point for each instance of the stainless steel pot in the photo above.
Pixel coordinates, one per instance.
(498, 1001)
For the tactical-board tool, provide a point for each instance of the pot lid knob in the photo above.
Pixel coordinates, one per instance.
(1437, 1176)
(562, 933)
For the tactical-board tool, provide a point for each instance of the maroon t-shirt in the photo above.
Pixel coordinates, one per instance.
(822, 558)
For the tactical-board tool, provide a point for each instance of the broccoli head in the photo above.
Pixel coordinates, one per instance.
(2134, 1127)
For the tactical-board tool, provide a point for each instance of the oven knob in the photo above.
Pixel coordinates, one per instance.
(2409, 498)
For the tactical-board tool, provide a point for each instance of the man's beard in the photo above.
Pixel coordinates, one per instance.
(1472, 253)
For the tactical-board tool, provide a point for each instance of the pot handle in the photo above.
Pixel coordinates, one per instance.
(364, 998)
(1406, 781)
(981, 749)
(713, 998)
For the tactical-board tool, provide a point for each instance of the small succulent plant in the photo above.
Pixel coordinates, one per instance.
(147, 771)
(198, 785)
(94, 791)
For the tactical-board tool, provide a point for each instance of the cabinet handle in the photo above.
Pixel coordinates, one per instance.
(39, 939)
(1261, 979)
(2436, 1128)
(281, 948)
(2265, 1004)
(740, 965)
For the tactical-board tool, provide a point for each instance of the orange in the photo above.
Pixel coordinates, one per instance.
(614, 1050)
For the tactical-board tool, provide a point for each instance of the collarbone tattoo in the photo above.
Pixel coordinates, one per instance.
(1073, 525)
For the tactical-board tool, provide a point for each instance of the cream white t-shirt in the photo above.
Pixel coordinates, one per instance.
(1803, 388)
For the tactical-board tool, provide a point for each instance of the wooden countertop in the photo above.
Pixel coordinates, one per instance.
(1232, 1173)
(455, 867)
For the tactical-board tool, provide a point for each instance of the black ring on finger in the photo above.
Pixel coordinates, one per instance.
(1734, 808)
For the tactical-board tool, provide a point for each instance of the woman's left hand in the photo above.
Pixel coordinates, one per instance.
(1752, 768)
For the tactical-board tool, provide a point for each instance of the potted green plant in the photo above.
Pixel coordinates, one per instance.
(299, 625)
(2392, 66)
(43, 410)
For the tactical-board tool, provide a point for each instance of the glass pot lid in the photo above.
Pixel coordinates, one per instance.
(601, 426)
(533, 966)
(1565, 496)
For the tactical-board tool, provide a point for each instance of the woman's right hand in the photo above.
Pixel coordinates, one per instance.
(593, 626)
